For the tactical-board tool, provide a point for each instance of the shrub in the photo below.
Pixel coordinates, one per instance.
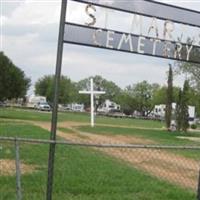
(193, 126)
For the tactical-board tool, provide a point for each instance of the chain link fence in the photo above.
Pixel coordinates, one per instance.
(98, 171)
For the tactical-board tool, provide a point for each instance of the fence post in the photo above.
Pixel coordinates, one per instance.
(198, 187)
(18, 172)
(55, 101)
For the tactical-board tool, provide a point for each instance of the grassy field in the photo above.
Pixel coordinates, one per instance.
(80, 173)
(10, 113)
(159, 136)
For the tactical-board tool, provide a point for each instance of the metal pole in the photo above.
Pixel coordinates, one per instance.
(198, 187)
(18, 172)
(55, 102)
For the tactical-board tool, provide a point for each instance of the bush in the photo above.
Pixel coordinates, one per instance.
(193, 126)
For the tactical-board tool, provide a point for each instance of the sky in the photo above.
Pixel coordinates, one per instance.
(29, 32)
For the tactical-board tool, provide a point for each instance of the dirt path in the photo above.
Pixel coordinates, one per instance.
(160, 163)
(8, 168)
(108, 125)
(194, 139)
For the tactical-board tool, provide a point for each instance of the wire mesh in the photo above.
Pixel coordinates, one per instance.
(7, 171)
(101, 171)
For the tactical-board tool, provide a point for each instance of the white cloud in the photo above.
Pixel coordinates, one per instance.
(35, 12)
(122, 68)
(30, 40)
(191, 4)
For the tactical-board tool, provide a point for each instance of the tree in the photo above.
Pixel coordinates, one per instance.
(101, 84)
(67, 90)
(13, 82)
(182, 114)
(127, 102)
(142, 93)
(184, 106)
(178, 112)
(191, 69)
(194, 99)
(169, 98)
(160, 95)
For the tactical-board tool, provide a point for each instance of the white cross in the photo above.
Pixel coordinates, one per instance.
(92, 93)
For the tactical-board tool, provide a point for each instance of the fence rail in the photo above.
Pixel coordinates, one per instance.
(98, 171)
(134, 146)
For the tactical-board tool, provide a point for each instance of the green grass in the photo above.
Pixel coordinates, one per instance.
(66, 130)
(80, 173)
(22, 130)
(30, 154)
(129, 122)
(13, 113)
(27, 114)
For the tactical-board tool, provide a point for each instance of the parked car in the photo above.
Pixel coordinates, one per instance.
(66, 108)
(2, 104)
(43, 106)
(115, 113)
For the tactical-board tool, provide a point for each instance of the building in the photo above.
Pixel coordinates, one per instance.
(108, 106)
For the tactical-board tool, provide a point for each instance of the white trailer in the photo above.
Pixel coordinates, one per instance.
(159, 111)
(32, 100)
(108, 106)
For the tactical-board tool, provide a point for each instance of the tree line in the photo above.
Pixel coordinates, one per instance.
(141, 97)
(13, 81)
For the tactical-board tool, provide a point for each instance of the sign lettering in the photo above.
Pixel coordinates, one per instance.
(126, 42)
(165, 44)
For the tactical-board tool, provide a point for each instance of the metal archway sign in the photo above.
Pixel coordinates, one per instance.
(161, 45)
